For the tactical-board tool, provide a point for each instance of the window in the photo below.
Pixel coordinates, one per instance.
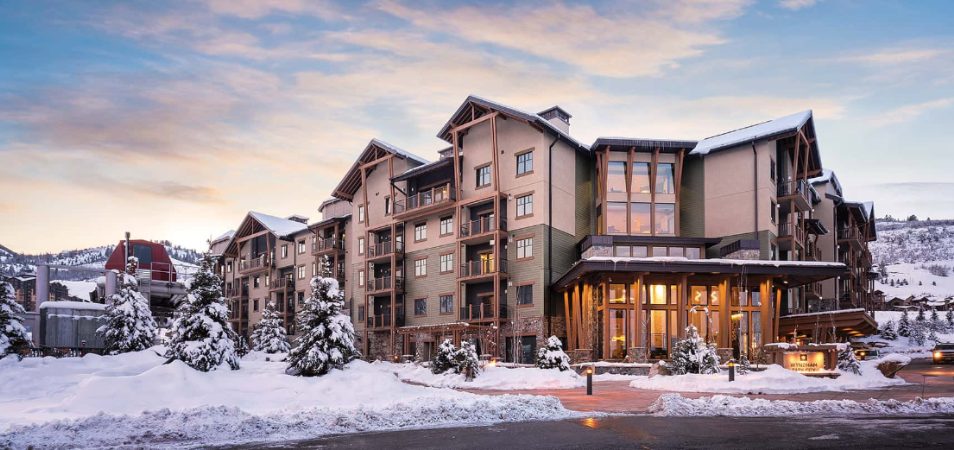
(525, 294)
(698, 295)
(255, 305)
(622, 250)
(301, 272)
(617, 293)
(301, 298)
(360, 213)
(525, 163)
(483, 176)
(301, 247)
(525, 248)
(665, 179)
(692, 252)
(447, 225)
(616, 176)
(665, 218)
(616, 218)
(256, 282)
(641, 219)
(268, 280)
(228, 267)
(640, 251)
(447, 263)
(420, 232)
(314, 269)
(640, 178)
(525, 205)
(447, 304)
(772, 209)
(361, 246)
(361, 315)
(284, 250)
(361, 278)
(420, 307)
(772, 169)
(387, 206)
(657, 294)
(420, 267)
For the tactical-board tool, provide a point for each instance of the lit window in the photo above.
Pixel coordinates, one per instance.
(617, 293)
(641, 218)
(665, 179)
(524, 163)
(525, 294)
(616, 176)
(524, 248)
(616, 218)
(483, 176)
(525, 205)
(657, 294)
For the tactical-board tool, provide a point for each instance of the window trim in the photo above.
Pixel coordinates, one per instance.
(517, 156)
(516, 205)
(424, 266)
(362, 213)
(477, 176)
(440, 223)
(449, 270)
(439, 297)
(516, 247)
(517, 294)
(420, 224)
(361, 246)
(424, 300)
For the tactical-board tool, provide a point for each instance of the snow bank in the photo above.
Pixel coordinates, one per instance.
(135, 398)
(73, 305)
(722, 405)
(774, 380)
(499, 378)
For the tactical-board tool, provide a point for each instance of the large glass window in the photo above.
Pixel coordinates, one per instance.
(692, 252)
(617, 293)
(657, 334)
(616, 176)
(665, 218)
(640, 178)
(641, 222)
(698, 319)
(698, 295)
(616, 218)
(617, 334)
(665, 181)
(657, 294)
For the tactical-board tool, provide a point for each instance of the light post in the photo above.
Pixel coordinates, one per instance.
(589, 380)
(731, 370)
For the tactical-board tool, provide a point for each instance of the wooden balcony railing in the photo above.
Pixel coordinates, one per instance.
(385, 249)
(326, 244)
(434, 196)
(251, 264)
(384, 320)
(791, 230)
(481, 226)
(482, 267)
(483, 311)
(385, 284)
(798, 189)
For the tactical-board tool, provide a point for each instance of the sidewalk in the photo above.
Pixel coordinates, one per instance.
(617, 396)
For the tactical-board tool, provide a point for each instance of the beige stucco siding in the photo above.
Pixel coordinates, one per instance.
(730, 190)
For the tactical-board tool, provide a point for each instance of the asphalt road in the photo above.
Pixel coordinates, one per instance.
(662, 433)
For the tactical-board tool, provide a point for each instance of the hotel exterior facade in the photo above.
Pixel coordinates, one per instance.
(518, 232)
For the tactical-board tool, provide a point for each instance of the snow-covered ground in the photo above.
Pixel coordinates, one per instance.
(902, 344)
(723, 405)
(773, 380)
(136, 399)
(920, 281)
(498, 378)
(79, 289)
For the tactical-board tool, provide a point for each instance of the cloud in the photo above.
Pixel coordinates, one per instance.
(898, 56)
(795, 5)
(910, 112)
(579, 35)
(256, 9)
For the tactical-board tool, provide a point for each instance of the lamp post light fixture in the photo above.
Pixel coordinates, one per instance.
(589, 380)
(731, 370)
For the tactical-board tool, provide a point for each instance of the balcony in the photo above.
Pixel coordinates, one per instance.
(283, 284)
(384, 284)
(851, 236)
(383, 321)
(255, 264)
(814, 290)
(384, 250)
(236, 292)
(430, 200)
(481, 312)
(482, 268)
(475, 229)
(790, 235)
(813, 253)
(326, 245)
(797, 192)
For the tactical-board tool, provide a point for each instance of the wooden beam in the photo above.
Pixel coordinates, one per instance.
(473, 122)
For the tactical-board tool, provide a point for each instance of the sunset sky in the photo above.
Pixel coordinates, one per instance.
(172, 119)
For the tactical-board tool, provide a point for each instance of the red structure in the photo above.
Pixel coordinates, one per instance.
(152, 257)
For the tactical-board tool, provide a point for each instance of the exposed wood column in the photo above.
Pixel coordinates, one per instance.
(679, 163)
(566, 321)
(637, 311)
(768, 320)
(653, 171)
(628, 173)
(682, 307)
(726, 318)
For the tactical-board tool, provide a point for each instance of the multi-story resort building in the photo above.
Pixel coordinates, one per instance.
(518, 231)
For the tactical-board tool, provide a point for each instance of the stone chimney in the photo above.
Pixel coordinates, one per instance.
(558, 117)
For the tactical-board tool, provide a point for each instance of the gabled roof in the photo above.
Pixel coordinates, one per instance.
(664, 144)
(827, 175)
(424, 168)
(278, 226)
(459, 117)
(757, 132)
(224, 236)
(374, 150)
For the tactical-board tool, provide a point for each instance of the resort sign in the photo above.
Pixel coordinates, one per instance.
(804, 361)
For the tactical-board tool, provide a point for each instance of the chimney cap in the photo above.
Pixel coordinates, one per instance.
(555, 111)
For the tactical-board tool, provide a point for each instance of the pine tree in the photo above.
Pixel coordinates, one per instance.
(887, 331)
(950, 319)
(444, 358)
(202, 336)
(904, 325)
(552, 356)
(935, 320)
(693, 355)
(268, 335)
(932, 337)
(744, 366)
(129, 324)
(12, 332)
(920, 317)
(847, 361)
(466, 361)
(917, 334)
(327, 335)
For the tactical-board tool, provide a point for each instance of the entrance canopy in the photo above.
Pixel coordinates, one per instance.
(789, 273)
(819, 325)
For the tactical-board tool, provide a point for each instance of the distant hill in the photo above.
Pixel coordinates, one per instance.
(12, 263)
(918, 257)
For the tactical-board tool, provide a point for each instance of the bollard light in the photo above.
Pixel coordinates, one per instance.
(589, 381)
(731, 370)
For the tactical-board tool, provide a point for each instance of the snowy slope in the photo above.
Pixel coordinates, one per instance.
(12, 263)
(919, 258)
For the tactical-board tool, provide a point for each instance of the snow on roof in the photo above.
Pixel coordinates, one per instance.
(74, 305)
(395, 149)
(827, 175)
(752, 133)
(530, 117)
(825, 313)
(277, 225)
(225, 236)
(722, 261)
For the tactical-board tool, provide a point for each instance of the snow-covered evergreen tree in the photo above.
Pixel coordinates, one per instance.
(920, 317)
(744, 366)
(129, 324)
(932, 337)
(847, 361)
(950, 319)
(935, 320)
(327, 335)
(444, 358)
(466, 360)
(12, 332)
(917, 334)
(693, 355)
(202, 336)
(887, 331)
(268, 335)
(552, 356)
(904, 325)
